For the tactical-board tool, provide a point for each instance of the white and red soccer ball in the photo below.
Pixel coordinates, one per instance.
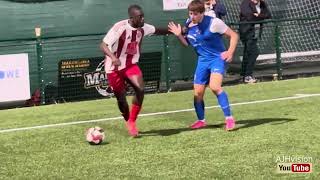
(95, 135)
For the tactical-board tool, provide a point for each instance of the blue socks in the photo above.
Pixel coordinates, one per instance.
(199, 107)
(222, 100)
(224, 103)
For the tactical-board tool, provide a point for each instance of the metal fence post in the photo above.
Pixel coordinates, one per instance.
(40, 63)
(167, 61)
(277, 39)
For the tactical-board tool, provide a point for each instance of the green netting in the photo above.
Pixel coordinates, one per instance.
(296, 35)
(300, 39)
(299, 36)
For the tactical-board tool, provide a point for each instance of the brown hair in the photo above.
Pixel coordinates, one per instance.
(197, 6)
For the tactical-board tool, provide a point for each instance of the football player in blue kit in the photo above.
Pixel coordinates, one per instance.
(205, 35)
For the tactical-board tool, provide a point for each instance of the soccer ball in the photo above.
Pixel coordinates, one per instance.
(95, 135)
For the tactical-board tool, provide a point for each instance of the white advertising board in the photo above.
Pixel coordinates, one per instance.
(14, 77)
(170, 5)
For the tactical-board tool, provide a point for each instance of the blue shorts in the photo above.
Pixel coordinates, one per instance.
(206, 67)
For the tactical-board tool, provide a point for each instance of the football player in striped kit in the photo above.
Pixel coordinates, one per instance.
(122, 47)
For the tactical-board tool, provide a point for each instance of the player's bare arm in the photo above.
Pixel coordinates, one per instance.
(162, 31)
(234, 37)
(177, 31)
(104, 47)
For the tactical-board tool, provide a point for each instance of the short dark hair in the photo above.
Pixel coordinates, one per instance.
(133, 7)
(197, 6)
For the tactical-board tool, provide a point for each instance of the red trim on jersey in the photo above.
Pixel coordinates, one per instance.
(142, 34)
(122, 39)
(130, 56)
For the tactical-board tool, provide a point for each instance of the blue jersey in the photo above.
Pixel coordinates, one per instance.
(206, 37)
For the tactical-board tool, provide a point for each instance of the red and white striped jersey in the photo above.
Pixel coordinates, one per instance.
(125, 42)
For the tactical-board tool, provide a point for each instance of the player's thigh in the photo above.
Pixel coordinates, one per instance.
(134, 76)
(117, 82)
(217, 69)
(215, 81)
(202, 74)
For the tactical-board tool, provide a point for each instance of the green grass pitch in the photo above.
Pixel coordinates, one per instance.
(167, 148)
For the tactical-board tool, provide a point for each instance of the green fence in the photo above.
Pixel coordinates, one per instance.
(73, 66)
(68, 68)
(287, 46)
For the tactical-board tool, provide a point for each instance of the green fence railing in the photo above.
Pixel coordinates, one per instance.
(56, 60)
(295, 38)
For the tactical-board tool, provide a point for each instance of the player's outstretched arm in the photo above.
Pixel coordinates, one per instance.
(161, 31)
(177, 30)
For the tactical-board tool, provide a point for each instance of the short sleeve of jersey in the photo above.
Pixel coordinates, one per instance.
(218, 26)
(112, 36)
(148, 29)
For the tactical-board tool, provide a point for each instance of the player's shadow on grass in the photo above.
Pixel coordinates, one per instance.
(241, 124)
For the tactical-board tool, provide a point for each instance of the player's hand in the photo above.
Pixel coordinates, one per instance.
(256, 14)
(227, 56)
(116, 62)
(174, 28)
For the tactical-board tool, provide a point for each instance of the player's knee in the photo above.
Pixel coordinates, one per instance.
(139, 90)
(121, 99)
(198, 95)
(215, 88)
(121, 96)
(198, 98)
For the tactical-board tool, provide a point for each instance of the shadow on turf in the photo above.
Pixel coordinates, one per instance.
(241, 124)
(101, 144)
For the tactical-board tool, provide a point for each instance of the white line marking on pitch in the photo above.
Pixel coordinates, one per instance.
(297, 96)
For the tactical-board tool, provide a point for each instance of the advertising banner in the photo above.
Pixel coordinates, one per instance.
(170, 5)
(14, 77)
(85, 78)
(82, 78)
